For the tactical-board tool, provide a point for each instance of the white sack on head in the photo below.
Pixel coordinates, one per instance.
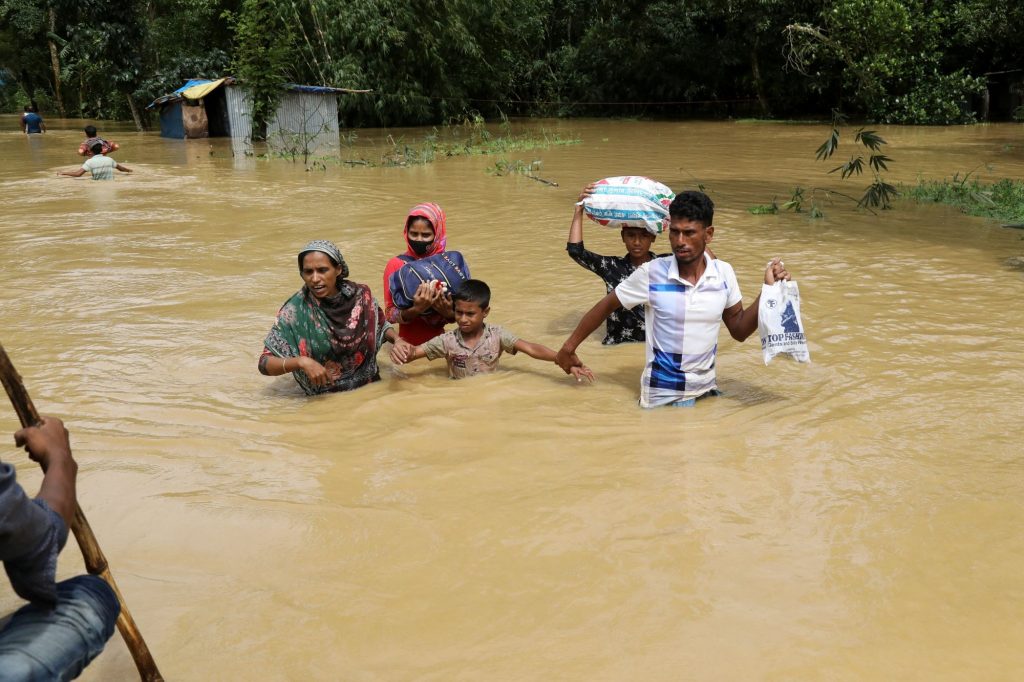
(778, 322)
(630, 201)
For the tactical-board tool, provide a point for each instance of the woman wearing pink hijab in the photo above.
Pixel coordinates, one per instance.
(425, 235)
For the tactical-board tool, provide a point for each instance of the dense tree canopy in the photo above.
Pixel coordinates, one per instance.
(904, 61)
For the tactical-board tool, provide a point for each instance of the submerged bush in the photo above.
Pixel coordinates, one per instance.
(1001, 200)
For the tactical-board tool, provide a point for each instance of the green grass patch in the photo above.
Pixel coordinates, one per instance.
(1000, 200)
(781, 121)
(467, 137)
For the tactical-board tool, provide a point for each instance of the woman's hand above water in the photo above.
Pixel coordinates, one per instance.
(316, 372)
(424, 299)
(444, 306)
(400, 351)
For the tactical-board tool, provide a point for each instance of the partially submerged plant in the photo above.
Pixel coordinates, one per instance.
(879, 194)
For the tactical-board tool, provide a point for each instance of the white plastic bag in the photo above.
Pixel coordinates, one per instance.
(778, 322)
(630, 201)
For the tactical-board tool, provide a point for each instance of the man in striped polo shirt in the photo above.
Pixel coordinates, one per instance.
(686, 297)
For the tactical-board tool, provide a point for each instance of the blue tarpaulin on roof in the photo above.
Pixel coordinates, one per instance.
(176, 95)
(194, 81)
(290, 87)
(321, 89)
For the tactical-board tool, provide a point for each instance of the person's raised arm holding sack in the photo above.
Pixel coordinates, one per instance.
(622, 325)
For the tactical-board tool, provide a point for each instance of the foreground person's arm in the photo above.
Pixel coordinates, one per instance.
(742, 322)
(49, 445)
(566, 357)
(32, 532)
(401, 350)
(539, 351)
(274, 366)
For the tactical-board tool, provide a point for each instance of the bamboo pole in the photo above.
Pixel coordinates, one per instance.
(95, 561)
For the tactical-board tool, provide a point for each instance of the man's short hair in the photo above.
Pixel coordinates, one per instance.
(90, 131)
(693, 205)
(97, 148)
(28, 108)
(473, 291)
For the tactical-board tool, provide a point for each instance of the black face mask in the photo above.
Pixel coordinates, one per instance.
(421, 248)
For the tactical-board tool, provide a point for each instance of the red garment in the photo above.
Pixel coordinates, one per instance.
(85, 149)
(431, 324)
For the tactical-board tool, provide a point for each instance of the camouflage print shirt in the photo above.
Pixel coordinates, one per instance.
(622, 325)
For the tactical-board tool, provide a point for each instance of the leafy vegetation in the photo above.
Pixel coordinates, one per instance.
(468, 136)
(1001, 200)
(503, 167)
(430, 61)
(263, 52)
(902, 60)
(879, 194)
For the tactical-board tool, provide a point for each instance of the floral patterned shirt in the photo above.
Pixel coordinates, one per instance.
(622, 325)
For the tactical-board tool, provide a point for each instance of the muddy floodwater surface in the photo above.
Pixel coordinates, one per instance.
(857, 518)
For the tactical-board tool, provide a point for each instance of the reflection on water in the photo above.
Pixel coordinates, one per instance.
(857, 518)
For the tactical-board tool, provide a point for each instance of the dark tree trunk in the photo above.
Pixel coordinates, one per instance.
(755, 68)
(135, 114)
(55, 63)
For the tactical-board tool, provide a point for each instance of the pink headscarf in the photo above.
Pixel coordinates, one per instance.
(435, 215)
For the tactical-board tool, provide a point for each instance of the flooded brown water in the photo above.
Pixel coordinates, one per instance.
(858, 518)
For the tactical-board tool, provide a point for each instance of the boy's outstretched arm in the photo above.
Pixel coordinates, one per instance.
(123, 169)
(535, 350)
(542, 352)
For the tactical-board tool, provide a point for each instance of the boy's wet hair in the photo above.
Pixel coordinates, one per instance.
(692, 205)
(90, 131)
(97, 148)
(473, 291)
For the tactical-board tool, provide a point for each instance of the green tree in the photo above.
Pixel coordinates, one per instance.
(169, 60)
(31, 26)
(264, 48)
(891, 57)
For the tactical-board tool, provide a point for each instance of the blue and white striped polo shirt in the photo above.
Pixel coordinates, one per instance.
(683, 321)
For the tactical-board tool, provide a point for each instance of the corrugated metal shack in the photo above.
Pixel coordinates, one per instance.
(205, 108)
(306, 119)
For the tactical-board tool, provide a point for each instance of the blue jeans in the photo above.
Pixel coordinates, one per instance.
(56, 644)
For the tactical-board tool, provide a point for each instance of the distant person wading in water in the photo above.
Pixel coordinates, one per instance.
(31, 122)
(101, 167)
(91, 139)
